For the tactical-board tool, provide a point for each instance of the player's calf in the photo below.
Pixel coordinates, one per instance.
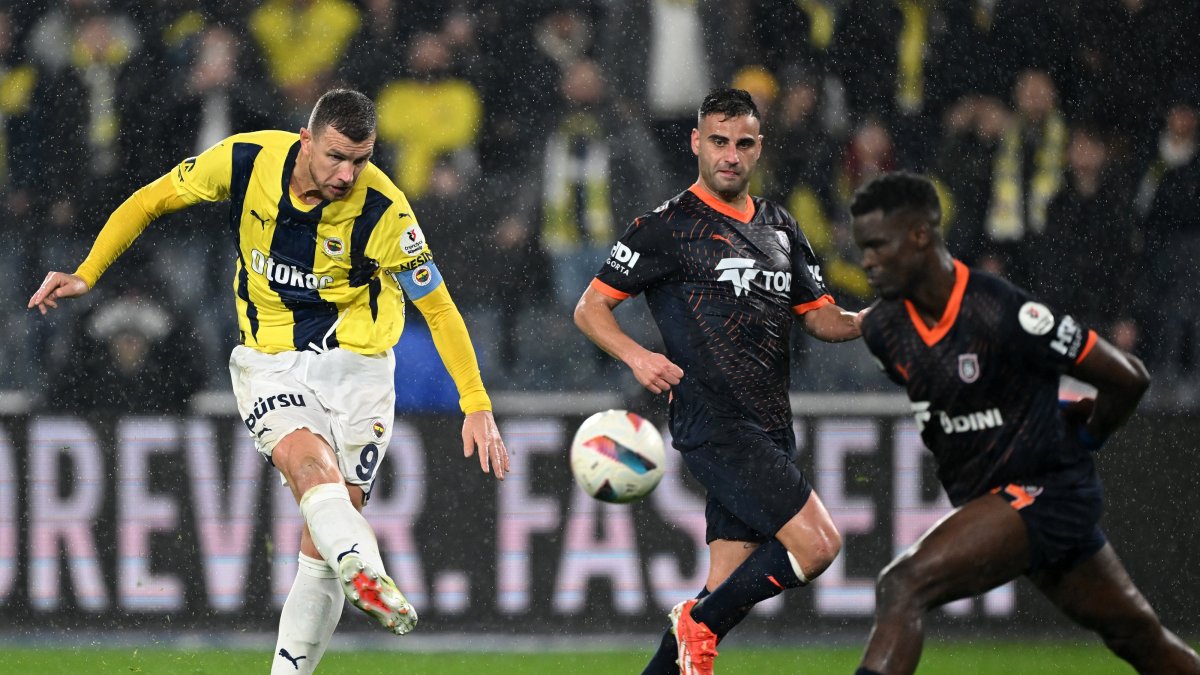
(1148, 646)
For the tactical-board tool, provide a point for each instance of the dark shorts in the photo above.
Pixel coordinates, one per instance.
(754, 486)
(1061, 516)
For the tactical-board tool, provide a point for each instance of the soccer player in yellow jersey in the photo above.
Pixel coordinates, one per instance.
(326, 247)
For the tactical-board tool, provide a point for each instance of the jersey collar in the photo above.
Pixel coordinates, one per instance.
(721, 207)
(931, 334)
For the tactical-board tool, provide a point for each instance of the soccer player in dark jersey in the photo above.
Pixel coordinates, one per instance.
(724, 275)
(981, 361)
(327, 249)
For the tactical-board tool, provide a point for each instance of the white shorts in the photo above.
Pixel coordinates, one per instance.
(344, 397)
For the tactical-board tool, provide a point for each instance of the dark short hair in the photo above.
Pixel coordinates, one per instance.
(897, 191)
(350, 112)
(727, 102)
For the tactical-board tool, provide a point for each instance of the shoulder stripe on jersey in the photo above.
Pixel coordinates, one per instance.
(721, 207)
(1087, 347)
(244, 155)
(810, 306)
(931, 335)
(362, 268)
(605, 289)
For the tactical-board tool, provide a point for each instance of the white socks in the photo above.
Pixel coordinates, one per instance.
(309, 616)
(337, 527)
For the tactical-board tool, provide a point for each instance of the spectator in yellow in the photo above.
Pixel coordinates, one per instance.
(302, 43)
(429, 116)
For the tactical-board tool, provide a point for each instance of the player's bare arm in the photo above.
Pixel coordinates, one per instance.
(831, 323)
(480, 432)
(57, 285)
(594, 316)
(1120, 379)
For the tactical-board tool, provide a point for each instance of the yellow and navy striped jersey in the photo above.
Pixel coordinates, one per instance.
(311, 277)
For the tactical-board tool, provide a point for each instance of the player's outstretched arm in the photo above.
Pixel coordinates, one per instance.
(594, 316)
(124, 225)
(453, 344)
(480, 432)
(830, 323)
(55, 286)
(1120, 380)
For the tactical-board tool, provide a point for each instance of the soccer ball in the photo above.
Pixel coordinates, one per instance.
(617, 456)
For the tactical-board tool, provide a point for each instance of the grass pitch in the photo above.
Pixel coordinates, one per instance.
(956, 658)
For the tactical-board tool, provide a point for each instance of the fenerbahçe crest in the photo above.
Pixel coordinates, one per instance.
(333, 247)
(377, 428)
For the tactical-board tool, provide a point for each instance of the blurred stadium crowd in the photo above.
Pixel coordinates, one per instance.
(527, 133)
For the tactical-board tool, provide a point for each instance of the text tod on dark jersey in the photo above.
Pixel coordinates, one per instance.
(724, 287)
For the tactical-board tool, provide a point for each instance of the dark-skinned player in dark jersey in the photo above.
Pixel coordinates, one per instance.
(981, 361)
(725, 274)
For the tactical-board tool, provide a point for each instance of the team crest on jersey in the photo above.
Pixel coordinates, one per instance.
(334, 247)
(968, 367)
(422, 276)
(1035, 318)
(378, 428)
(413, 240)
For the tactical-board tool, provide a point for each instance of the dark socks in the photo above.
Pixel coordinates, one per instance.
(866, 671)
(765, 574)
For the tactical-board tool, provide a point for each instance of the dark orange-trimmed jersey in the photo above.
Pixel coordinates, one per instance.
(724, 287)
(984, 382)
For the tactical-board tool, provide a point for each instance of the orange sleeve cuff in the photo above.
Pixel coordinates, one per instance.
(810, 306)
(1087, 347)
(605, 289)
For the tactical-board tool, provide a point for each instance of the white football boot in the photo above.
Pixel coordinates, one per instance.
(376, 594)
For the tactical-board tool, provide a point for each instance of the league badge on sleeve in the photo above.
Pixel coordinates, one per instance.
(1035, 318)
(413, 240)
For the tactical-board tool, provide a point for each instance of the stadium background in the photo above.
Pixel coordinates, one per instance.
(526, 134)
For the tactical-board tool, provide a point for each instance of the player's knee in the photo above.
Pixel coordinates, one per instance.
(814, 550)
(825, 550)
(305, 460)
(900, 585)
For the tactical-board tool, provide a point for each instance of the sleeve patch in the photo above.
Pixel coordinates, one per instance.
(412, 241)
(1035, 318)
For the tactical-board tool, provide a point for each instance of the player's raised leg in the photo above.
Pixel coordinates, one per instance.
(974, 549)
(340, 534)
(1099, 595)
